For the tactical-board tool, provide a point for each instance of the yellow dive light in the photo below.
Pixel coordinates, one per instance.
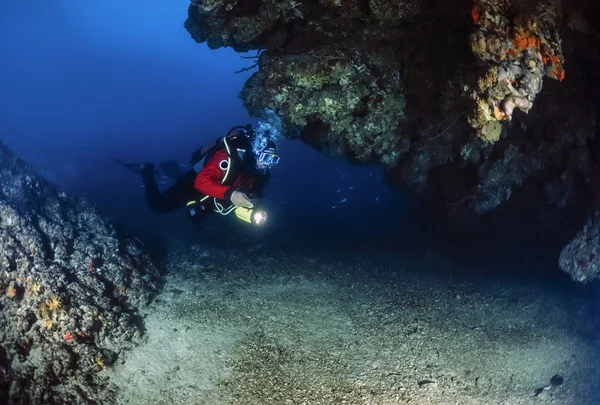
(253, 216)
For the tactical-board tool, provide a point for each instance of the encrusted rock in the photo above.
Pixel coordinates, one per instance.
(356, 98)
(581, 257)
(520, 50)
(74, 283)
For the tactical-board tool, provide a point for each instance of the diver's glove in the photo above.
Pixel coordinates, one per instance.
(240, 199)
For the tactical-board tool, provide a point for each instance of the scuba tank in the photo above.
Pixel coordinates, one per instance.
(204, 153)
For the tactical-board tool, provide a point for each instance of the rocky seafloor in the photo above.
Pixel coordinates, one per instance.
(258, 325)
(72, 284)
(487, 109)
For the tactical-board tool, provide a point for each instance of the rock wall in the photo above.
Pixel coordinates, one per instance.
(71, 284)
(580, 258)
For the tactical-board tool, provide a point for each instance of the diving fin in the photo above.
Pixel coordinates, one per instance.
(134, 167)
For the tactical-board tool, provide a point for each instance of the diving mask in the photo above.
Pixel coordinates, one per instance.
(268, 157)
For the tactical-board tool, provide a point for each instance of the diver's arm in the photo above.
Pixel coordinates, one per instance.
(208, 181)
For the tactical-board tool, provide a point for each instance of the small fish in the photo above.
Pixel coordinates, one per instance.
(162, 182)
(334, 206)
(350, 188)
(183, 165)
(343, 200)
(376, 198)
(163, 177)
(372, 171)
(339, 190)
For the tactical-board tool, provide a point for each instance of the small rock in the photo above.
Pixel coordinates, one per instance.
(556, 380)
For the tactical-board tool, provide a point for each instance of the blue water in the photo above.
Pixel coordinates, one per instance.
(86, 82)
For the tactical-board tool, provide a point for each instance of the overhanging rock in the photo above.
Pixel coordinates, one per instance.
(479, 107)
(430, 90)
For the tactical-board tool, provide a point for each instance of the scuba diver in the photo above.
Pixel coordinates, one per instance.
(226, 176)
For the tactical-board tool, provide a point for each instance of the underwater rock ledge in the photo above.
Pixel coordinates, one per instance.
(469, 104)
(71, 284)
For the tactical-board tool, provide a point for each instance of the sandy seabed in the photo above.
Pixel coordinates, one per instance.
(251, 327)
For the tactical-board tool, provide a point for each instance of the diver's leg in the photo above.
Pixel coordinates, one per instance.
(175, 197)
(153, 194)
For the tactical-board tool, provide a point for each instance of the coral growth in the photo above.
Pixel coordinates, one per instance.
(356, 98)
(47, 240)
(520, 51)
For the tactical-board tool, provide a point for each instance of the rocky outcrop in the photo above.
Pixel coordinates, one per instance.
(72, 283)
(519, 43)
(580, 258)
(469, 104)
(344, 103)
